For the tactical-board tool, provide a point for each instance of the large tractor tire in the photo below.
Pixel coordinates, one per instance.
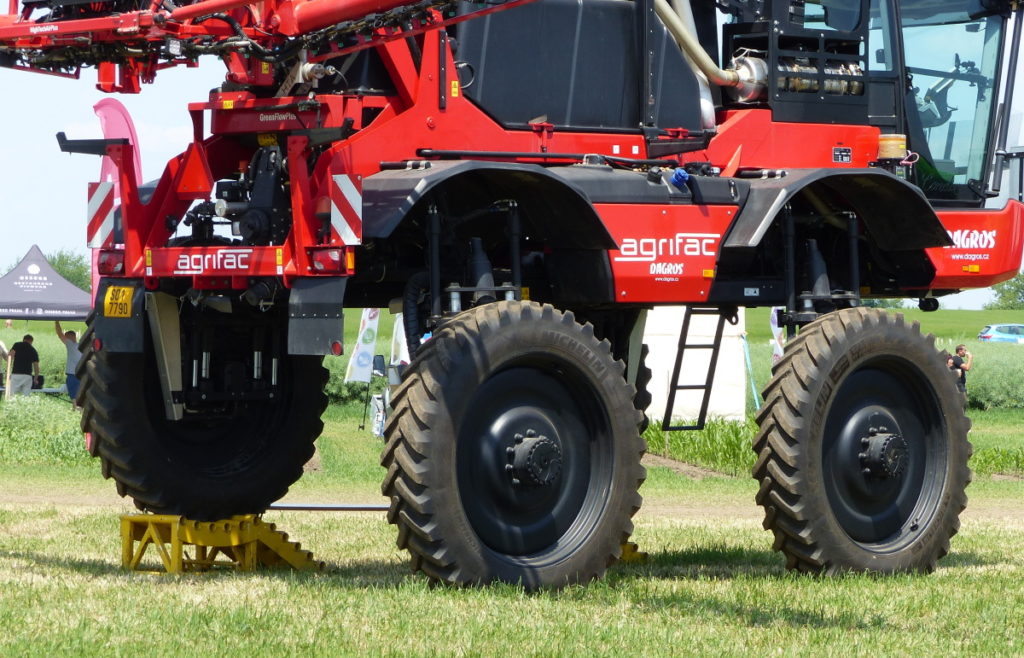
(862, 452)
(205, 468)
(643, 398)
(512, 451)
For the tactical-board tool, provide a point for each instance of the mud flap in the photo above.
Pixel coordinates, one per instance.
(315, 315)
(120, 315)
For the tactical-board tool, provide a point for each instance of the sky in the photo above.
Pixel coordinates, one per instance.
(43, 191)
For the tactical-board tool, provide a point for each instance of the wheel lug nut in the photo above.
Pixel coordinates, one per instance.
(866, 471)
(530, 434)
(509, 468)
(862, 455)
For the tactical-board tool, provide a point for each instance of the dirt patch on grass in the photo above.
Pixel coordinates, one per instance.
(689, 470)
(313, 465)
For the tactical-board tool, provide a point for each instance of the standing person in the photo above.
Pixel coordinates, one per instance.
(25, 366)
(70, 340)
(960, 363)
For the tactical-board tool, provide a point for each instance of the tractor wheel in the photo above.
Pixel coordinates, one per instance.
(206, 468)
(512, 451)
(862, 452)
(643, 398)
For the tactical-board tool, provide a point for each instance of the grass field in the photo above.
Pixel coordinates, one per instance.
(711, 585)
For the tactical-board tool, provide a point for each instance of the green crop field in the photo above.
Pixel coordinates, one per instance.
(953, 326)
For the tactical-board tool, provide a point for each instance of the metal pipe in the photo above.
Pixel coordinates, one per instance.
(515, 249)
(852, 234)
(318, 14)
(707, 104)
(207, 8)
(434, 242)
(316, 507)
(691, 47)
(1004, 123)
(789, 256)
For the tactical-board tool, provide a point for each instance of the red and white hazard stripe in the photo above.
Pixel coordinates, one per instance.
(347, 208)
(100, 231)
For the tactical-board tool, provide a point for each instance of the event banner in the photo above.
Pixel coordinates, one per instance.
(360, 364)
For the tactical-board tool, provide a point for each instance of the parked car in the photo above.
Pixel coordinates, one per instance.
(1002, 333)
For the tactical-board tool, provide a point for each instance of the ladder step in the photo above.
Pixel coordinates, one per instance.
(682, 428)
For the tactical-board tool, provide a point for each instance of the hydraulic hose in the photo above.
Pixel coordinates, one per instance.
(417, 284)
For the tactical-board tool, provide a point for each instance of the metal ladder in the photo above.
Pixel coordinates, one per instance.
(684, 335)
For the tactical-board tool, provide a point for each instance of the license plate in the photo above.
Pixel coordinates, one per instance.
(117, 303)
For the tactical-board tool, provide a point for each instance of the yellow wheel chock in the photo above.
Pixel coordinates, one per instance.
(632, 555)
(241, 542)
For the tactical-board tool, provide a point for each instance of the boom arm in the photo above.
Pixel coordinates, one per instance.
(128, 41)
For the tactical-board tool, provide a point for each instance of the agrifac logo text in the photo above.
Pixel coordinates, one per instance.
(218, 261)
(43, 28)
(973, 239)
(649, 250)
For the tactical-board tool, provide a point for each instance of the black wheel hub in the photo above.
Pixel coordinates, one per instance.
(528, 457)
(875, 456)
(885, 454)
(533, 461)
